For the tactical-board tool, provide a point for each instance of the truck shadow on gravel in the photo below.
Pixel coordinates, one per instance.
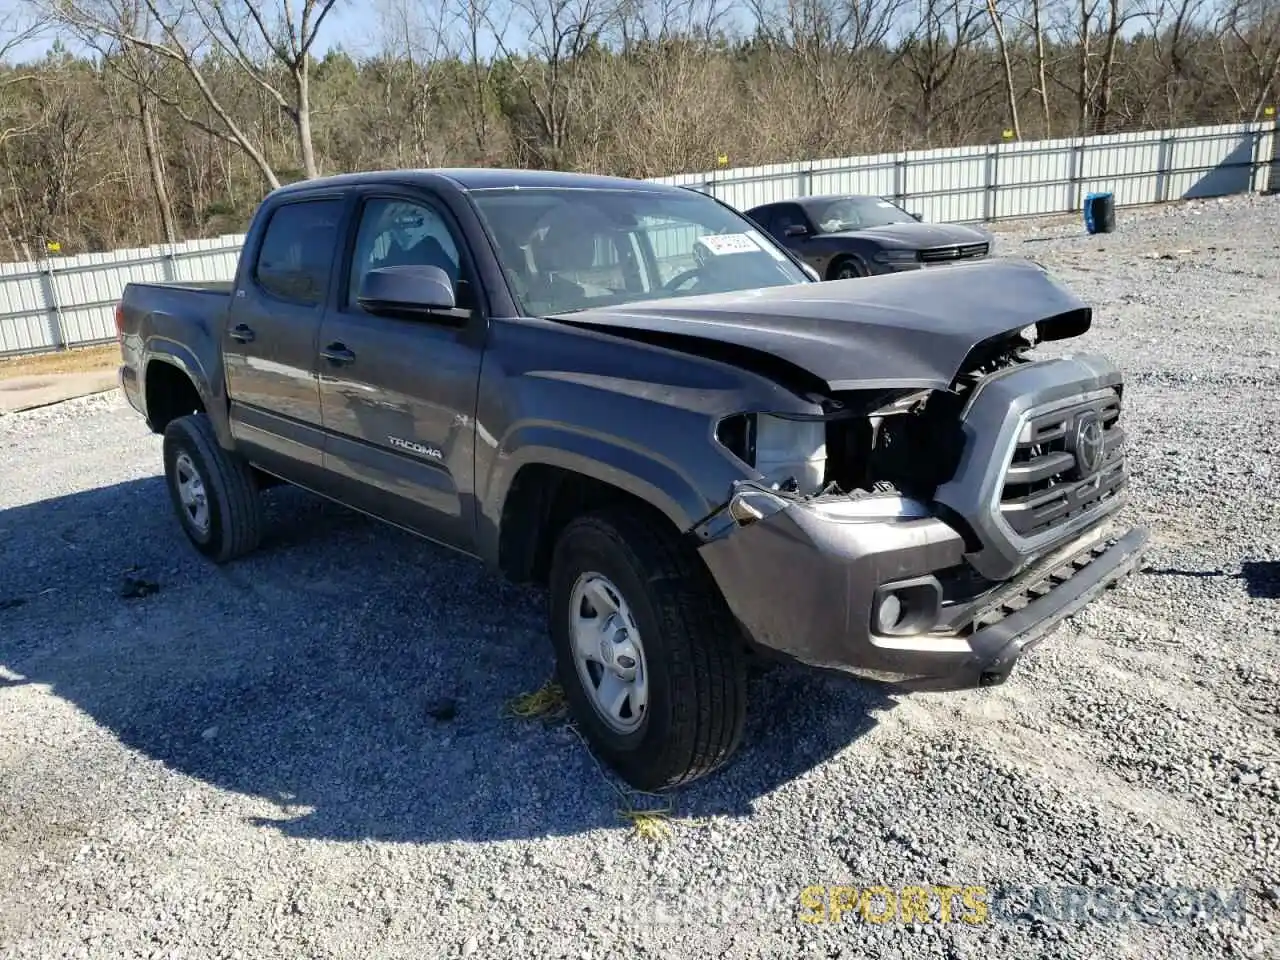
(1261, 577)
(312, 674)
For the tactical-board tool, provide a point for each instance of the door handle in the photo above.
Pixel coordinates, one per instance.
(338, 353)
(242, 333)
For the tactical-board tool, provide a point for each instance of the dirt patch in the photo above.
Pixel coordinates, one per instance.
(80, 360)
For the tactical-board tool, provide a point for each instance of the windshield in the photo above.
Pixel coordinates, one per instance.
(854, 213)
(565, 250)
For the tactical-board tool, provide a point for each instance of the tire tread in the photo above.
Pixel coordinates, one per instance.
(702, 641)
(232, 481)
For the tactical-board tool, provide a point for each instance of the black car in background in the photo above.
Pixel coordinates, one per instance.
(858, 236)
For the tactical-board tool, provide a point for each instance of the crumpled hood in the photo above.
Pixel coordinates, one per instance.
(899, 330)
(918, 236)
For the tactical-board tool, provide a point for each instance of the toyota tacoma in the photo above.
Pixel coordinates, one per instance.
(626, 393)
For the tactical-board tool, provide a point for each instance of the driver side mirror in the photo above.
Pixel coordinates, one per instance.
(795, 230)
(917, 216)
(409, 290)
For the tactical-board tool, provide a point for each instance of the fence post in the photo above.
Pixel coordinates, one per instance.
(992, 184)
(170, 265)
(1255, 157)
(1075, 160)
(1164, 164)
(1273, 174)
(900, 179)
(805, 178)
(51, 297)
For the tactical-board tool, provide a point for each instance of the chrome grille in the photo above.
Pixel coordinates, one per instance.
(965, 251)
(1066, 463)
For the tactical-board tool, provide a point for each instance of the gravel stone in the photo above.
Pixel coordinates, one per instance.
(247, 763)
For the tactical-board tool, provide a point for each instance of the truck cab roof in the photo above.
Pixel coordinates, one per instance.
(483, 178)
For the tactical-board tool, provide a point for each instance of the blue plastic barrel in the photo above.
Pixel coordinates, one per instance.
(1100, 213)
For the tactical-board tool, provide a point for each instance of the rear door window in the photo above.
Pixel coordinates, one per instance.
(296, 256)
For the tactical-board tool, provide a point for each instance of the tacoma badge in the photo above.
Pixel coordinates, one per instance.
(418, 448)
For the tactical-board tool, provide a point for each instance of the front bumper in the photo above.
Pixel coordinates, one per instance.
(910, 266)
(804, 586)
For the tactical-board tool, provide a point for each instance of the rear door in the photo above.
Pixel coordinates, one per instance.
(399, 395)
(269, 341)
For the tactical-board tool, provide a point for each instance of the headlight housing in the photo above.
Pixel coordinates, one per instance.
(894, 256)
(791, 454)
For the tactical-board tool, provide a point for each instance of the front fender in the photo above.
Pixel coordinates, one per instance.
(635, 416)
(608, 459)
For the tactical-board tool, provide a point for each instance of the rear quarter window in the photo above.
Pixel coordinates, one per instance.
(297, 252)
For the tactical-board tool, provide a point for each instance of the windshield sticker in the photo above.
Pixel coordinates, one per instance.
(721, 244)
(766, 246)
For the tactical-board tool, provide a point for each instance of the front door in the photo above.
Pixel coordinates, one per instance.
(399, 395)
(269, 340)
(789, 215)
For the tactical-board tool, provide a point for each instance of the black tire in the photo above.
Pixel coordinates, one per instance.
(692, 648)
(848, 267)
(234, 507)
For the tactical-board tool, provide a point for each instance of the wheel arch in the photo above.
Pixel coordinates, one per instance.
(843, 257)
(546, 494)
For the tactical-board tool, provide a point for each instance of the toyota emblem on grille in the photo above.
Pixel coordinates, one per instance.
(1088, 444)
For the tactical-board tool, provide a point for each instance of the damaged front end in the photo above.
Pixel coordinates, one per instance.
(926, 536)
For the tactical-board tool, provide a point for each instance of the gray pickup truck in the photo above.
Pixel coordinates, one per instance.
(624, 392)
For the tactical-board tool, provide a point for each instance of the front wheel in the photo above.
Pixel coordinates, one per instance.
(213, 492)
(848, 268)
(651, 660)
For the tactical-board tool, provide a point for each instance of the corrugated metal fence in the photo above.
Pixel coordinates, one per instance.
(69, 301)
(997, 181)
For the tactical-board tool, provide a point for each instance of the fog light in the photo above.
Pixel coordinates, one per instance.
(889, 613)
(906, 607)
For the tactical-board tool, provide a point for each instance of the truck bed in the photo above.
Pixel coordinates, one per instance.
(166, 313)
(222, 287)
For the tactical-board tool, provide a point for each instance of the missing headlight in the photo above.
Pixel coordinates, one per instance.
(737, 435)
(791, 454)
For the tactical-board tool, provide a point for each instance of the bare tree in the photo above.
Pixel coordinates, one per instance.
(142, 69)
(1249, 40)
(184, 109)
(561, 35)
(472, 20)
(995, 13)
(415, 56)
(656, 21)
(16, 28)
(1038, 27)
(1175, 26)
(262, 37)
(663, 104)
(164, 29)
(832, 52)
(1094, 30)
(939, 40)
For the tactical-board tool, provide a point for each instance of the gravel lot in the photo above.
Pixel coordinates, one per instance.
(246, 762)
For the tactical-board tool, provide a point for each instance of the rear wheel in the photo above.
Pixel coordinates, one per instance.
(213, 492)
(650, 658)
